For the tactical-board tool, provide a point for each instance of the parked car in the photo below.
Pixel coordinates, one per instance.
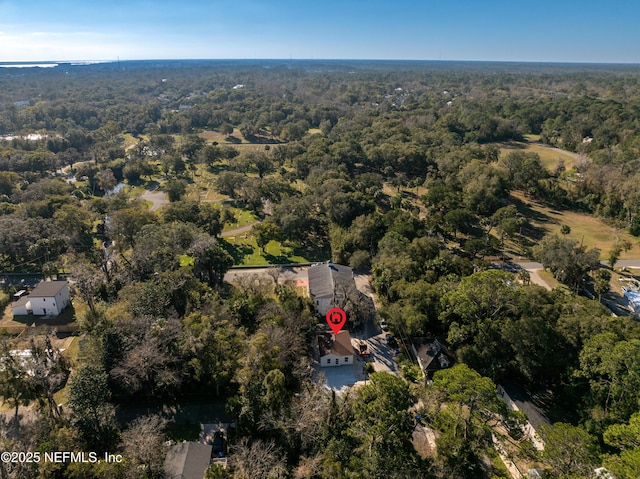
(219, 444)
(363, 350)
(391, 341)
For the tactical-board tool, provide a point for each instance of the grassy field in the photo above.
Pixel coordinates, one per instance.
(245, 251)
(71, 353)
(589, 230)
(548, 156)
(236, 140)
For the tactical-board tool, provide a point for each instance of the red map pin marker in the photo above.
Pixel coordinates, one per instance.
(336, 318)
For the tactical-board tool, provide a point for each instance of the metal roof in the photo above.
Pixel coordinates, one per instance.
(324, 276)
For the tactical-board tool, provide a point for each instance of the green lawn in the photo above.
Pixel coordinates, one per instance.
(548, 156)
(245, 251)
(589, 230)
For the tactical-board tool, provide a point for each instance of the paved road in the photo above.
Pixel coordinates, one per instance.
(239, 231)
(158, 199)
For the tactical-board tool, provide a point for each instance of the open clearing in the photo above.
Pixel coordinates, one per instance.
(589, 230)
(549, 155)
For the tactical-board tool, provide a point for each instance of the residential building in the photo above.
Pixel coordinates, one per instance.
(187, 460)
(432, 355)
(335, 349)
(48, 298)
(330, 285)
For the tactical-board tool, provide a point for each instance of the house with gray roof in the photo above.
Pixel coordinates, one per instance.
(330, 285)
(48, 298)
(432, 355)
(187, 460)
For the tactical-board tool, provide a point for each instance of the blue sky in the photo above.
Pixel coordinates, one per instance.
(501, 30)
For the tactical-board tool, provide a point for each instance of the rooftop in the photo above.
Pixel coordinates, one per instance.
(338, 344)
(432, 353)
(324, 276)
(48, 289)
(187, 460)
(525, 403)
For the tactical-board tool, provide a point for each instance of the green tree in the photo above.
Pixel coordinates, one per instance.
(175, 189)
(569, 451)
(382, 424)
(93, 414)
(210, 260)
(463, 404)
(602, 282)
(569, 262)
(265, 232)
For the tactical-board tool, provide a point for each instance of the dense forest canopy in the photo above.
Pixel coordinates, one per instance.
(145, 182)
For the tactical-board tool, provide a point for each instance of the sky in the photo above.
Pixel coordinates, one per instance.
(481, 30)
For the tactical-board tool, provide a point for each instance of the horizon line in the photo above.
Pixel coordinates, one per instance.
(81, 62)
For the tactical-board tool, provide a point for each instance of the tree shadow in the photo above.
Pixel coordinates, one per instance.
(237, 251)
(272, 259)
(312, 252)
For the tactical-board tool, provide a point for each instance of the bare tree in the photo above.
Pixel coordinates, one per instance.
(257, 460)
(143, 443)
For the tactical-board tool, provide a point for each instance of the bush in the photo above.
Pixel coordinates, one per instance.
(5, 299)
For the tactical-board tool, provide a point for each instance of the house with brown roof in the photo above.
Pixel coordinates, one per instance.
(335, 349)
(48, 298)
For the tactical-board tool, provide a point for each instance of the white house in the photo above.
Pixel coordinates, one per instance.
(335, 349)
(329, 285)
(49, 298)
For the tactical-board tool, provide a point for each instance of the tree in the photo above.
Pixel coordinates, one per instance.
(616, 251)
(107, 181)
(602, 282)
(210, 260)
(175, 190)
(143, 443)
(15, 387)
(568, 262)
(217, 343)
(226, 129)
(153, 360)
(125, 225)
(625, 438)
(93, 414)
(382, 424)
(613, 371)
(257, 460)
(569, 451)
(229, 182)
(462, 403)
(87, 281)
(265, 232)
(483, 296)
